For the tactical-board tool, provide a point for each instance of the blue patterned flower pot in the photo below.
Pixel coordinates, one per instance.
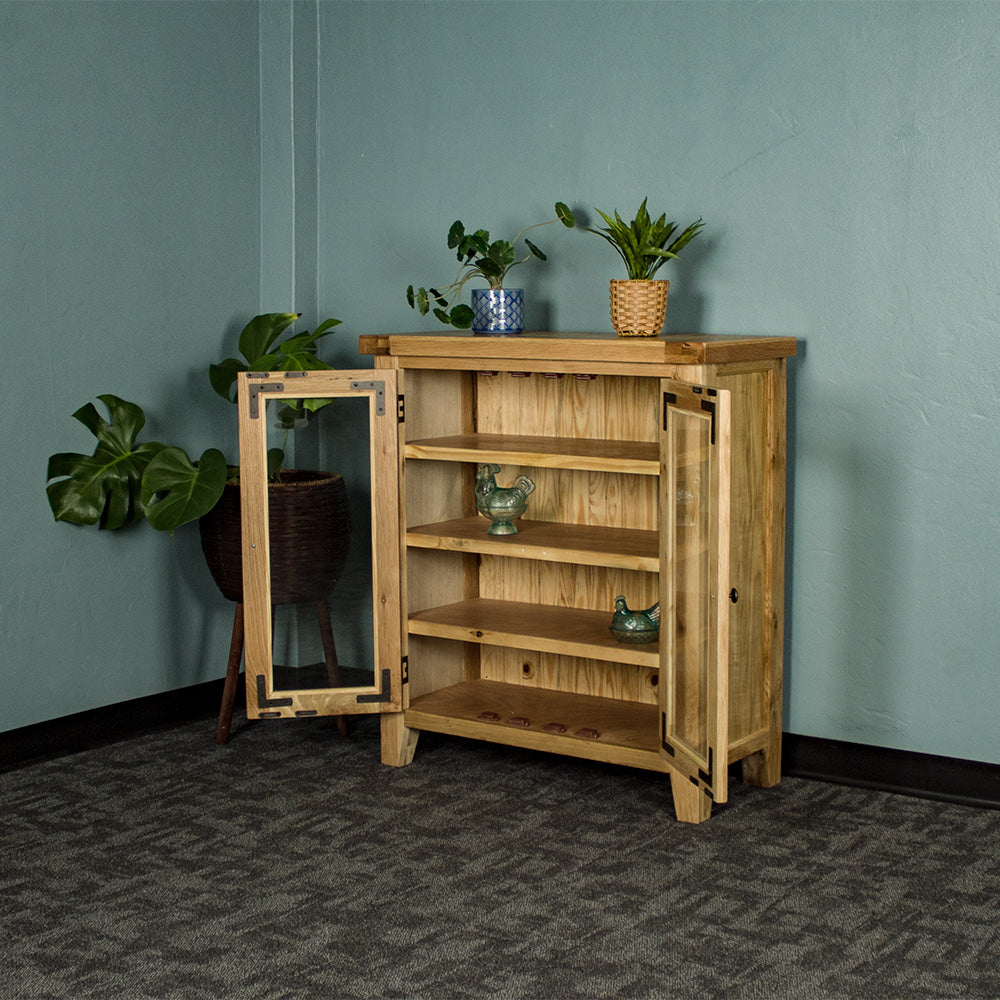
(498, 310)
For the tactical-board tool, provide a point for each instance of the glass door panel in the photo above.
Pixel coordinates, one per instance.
(694, 571)
(321, 637)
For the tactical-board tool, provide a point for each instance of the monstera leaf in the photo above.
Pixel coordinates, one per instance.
(261, 353)
(175, 490)
(103, 488)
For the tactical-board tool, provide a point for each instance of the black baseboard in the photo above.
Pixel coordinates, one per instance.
(923, 775)
(111, 723)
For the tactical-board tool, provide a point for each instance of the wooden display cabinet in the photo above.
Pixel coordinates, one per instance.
(659, 466)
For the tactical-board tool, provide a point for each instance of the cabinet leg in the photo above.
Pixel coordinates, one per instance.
(398, 742)
(691, 804)
(763, 768)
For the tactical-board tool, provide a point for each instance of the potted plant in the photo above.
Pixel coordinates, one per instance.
(495, 309)
(125, 482)
(639, 302)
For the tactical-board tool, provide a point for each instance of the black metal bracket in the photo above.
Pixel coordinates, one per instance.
(704, 779)
(709, 407)
(663, 736)
(262, 699)
(707, 776)
(669, 399)
(384, 694)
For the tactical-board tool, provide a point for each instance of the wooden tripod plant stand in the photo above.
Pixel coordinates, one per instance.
(236, 658)
(309, 531)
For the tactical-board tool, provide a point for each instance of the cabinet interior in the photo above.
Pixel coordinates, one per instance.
(522, 617)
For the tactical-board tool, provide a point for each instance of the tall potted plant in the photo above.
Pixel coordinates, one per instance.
(639, 302)
(495, 309)
(124, 482)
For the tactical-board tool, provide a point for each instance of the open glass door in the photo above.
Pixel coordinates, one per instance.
(320, 548)
(694, 575)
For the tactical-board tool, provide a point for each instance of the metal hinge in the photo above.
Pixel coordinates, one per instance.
(400, 409)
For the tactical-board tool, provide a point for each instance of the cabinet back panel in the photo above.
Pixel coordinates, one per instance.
(608, 406)
(565, 584)
(573, 496)
(570, 674)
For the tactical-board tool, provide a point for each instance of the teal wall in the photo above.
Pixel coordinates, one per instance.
(843, 156)
(129, 255)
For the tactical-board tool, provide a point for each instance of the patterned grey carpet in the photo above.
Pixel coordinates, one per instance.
(292, 865)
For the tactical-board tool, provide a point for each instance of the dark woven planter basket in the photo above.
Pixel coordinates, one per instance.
(310, 528)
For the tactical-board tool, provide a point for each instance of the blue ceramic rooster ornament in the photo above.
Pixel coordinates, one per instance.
(501, 504)
(635, 626)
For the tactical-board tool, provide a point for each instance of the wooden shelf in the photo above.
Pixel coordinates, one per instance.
(638, 457)
(545, 629)
(586, 545)
(621, 732)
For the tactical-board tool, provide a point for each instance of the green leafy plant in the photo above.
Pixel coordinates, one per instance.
(123, 481)
(258, 346)
(480, 257)
(643, 244)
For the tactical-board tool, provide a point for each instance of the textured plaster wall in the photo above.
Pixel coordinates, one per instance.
(129, 255)
(844, 157)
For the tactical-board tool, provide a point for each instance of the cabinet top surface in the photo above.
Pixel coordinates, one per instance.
(664, 349)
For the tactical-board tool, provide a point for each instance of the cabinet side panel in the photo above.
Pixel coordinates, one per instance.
(439, 663)
(437, 491)
(438, 403)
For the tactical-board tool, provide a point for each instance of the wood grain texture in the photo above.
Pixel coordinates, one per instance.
(515, 624)
(669, 348)
(594, 545)
(577, 725)
(549, 452)
(383, 453)
(525, 616)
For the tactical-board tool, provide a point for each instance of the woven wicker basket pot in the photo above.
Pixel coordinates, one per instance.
(310, 531)
(638, 308)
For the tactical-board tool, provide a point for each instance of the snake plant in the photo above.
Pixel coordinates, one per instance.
(643, 244)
